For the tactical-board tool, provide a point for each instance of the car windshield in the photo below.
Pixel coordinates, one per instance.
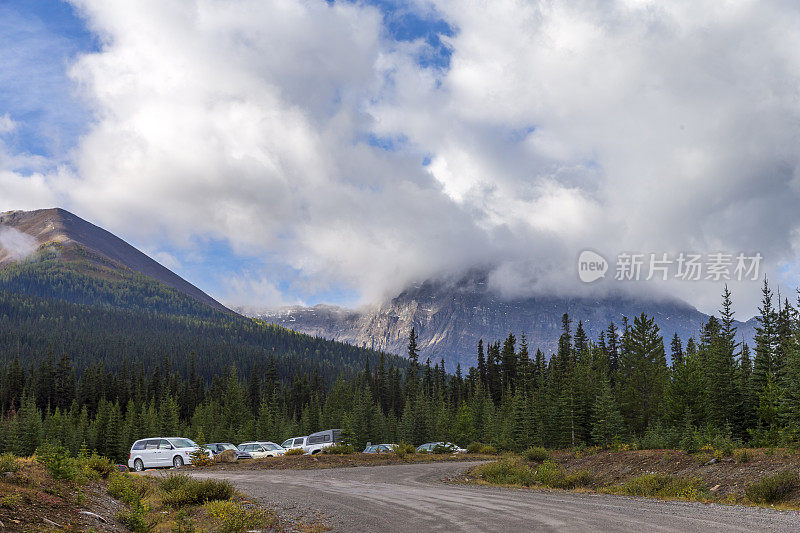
(182, 443)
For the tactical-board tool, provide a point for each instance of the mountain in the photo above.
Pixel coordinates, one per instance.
(70, 288)
(451, 316)
(89, 263)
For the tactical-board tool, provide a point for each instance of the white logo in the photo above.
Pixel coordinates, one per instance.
(591, 266)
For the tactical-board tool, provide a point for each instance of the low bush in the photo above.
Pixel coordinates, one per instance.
(336, 449)
(180, 490)
(581, 478)
(295, 451)
(551, 474)
(477, 447)
(661, 486)
(201, 458)
(8, 463)
(507, 471)
(127, 488)
(95, 466)
(11, 501)
(536, 454)
(402, 449)
(741, 455)
(511, 470)
(773, 489)
(135, 517)
(441, 449)
(234, 518)
(58, 462)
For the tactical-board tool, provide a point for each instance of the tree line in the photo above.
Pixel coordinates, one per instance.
(620, 388)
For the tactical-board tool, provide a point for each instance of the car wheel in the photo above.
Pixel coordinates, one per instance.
(177, 462)
(138, 465)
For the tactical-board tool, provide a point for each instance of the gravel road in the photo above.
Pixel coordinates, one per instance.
(412, 498)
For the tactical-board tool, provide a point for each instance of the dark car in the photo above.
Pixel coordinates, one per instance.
(219, 447)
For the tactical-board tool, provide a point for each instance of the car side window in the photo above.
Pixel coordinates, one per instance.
(326, 438)
(164, 445)
(298, 442)
(139, 445)
(151, 444)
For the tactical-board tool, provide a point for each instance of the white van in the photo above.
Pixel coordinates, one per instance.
(295, 442)
(316, 442)
(161, 452)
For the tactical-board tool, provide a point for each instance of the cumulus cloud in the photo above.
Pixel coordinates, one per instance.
(15, 245)
(618, 126)
(556, 126)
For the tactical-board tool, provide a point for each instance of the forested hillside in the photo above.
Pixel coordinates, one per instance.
(91, 279)
(32, 328)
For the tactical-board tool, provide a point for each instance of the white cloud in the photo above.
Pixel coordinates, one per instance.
(7, 125)
(16, 245)
(558, 126)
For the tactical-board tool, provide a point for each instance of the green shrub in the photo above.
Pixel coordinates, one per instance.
(488, 449)
(507, 471)
(474, 447)
(180, 490)
(441, 449)
(336, 449)
(95, 466)
(536, 454)
(8, 463)
(295, 451)
(59, 464)
(773, 489)
(742, 456)
(551, 474)
(234, 518)
(402, 449)
(660, 486)
(135, 518)
(581, 478)
(11, 501)
(127, 488)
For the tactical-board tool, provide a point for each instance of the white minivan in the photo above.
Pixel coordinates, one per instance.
(161, 452)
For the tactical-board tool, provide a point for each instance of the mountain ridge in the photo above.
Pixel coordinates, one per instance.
(450, 317)
(70, 239)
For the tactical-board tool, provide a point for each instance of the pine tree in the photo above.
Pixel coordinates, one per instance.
(412, 375)
(643, 373)
(765, 342)
(676, 350)
(508, 363)
(607, 422)
(612, 338)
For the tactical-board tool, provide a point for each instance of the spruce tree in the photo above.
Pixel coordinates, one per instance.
(765, 342)
(608, 426)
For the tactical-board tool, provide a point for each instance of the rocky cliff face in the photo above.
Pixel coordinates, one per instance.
(450, 318)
